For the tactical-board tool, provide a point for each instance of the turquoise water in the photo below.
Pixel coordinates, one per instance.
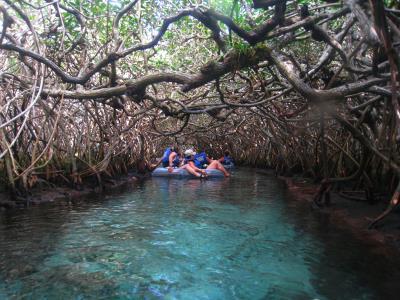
(236, 238)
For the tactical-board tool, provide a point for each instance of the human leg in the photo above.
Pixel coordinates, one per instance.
(191, 170)
(215, 164)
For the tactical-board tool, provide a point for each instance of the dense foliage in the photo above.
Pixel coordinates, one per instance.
(92, 88)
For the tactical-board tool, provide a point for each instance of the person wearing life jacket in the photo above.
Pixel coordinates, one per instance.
(202, 161)
(226, 159)
(190, 166)
(171, 158)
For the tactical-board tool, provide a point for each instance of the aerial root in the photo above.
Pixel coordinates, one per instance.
(394, 202)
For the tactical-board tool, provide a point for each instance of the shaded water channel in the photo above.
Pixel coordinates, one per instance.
(237, 238)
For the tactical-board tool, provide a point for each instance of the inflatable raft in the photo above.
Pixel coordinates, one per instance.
(182, 173)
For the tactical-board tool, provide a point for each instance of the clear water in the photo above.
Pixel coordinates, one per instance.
(237, 238)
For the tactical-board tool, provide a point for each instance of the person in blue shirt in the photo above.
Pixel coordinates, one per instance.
(190, 166)
(202, 161)
(226, 159)
(171, 158)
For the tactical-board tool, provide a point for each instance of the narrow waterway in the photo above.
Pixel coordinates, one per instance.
(236, 238)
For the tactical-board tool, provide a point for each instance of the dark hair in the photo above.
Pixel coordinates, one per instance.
(175, 148)
(227, 153)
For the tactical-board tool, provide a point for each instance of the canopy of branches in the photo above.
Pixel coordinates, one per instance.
(90, 87)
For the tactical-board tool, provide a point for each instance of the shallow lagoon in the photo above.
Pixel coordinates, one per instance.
(236, 238)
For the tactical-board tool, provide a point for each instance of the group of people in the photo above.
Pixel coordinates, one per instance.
(194, 163)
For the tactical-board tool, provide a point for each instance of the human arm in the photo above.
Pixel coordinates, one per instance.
(171, 161)
(158, 162)
(152, 167)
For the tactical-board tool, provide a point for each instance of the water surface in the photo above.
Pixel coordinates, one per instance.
(236, 238)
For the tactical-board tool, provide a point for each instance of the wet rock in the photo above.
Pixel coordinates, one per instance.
(59, 194)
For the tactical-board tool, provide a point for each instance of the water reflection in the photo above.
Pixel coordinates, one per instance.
(235, 238)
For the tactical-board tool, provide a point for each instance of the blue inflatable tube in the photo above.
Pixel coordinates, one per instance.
(182, 173)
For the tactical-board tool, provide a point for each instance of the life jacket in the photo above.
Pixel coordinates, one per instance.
(165, 158)
(200, 159)
(227, 160)
(188, 159)
(177, 160)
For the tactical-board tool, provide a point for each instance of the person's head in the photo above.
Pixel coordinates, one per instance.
(189, 153)
(200, 148)
(227, 153)
(175, 148)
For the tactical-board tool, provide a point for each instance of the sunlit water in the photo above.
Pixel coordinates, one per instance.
(237, 238)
